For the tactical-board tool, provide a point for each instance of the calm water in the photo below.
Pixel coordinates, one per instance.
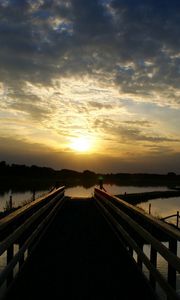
(159, 207)
(18, 198)
(113, 189)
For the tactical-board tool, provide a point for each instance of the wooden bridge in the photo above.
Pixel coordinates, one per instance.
(85, 248)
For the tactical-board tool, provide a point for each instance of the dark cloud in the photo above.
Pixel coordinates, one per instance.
(100, 105)
(129, 134)
(141, 123)
(132, 46)
(41, 40)
(131, 131)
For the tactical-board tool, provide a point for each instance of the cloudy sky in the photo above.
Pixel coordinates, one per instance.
(91, 84)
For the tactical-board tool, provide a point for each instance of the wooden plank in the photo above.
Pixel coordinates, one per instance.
(4, 222)
(20, 230)
(160, 225)
(10, 253)
(8, 269)
(169, 256)
(171, 269)
(139, 260)
(153, 260)
(154, 272)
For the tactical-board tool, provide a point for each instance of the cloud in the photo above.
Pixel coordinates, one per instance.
(141, 123)
(36, 153)
(100, 105)
(131, 141)
(137, 43)
(92, 67)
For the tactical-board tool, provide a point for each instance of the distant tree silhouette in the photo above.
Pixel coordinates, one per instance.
(19, 174)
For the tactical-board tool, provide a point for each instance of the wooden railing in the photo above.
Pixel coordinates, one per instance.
(22, 229)
(135, 229)
(172, 216)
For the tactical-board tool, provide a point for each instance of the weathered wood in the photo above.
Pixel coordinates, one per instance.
(30, 207)
(153, 260)
(139, 260)
(80, 257)
(25, 226)
(169, 256)
(48, 205)
(165, 218)
(130, 249)
(170, 292)
(7, 272)
(177, 221)
(172, 269)
(21, 260)
(10, 253)
(158, 225)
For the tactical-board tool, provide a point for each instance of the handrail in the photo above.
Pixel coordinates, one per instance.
(14, 218)
(171, 216)
(171, 232)
(21, 229)
(103, 200)
(141, 255)
(174, 215)
(42, 212)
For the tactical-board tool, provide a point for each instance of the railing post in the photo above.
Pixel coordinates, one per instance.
(177, 223)
(153, 260)
(10, 202)
(130, 250)
(139, 260)
(10, 253)
(21, 261)
(171, 270)
(149, 208)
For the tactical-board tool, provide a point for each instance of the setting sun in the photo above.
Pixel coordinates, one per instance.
(81, 144)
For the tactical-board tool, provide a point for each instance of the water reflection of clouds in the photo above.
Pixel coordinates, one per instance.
(80, 191)
(118, 189)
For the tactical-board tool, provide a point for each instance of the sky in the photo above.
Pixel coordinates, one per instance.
(91, 84)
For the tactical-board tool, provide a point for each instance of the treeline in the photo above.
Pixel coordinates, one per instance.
(16, 175)
(170, 179)
(29, 171)
(19, 174)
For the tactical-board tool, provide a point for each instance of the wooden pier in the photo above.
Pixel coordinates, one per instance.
(78, 248)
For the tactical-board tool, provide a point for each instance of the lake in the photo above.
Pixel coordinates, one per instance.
(159, 207)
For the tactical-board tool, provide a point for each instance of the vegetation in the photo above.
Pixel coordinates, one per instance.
(16, 177)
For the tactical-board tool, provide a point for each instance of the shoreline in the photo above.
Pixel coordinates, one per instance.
(135, 198)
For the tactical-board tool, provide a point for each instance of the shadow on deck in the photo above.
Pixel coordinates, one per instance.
(80, 257)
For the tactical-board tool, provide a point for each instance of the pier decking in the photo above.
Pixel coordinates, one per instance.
(80, 257)
(86, 248)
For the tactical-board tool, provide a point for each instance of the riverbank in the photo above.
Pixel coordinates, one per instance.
(135, 198)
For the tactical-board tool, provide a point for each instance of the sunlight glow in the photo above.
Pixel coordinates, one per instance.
(80, 144)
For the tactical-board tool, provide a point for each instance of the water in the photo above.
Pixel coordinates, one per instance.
(18, 198)
(159, 207)
(162, 207)
(113, 189)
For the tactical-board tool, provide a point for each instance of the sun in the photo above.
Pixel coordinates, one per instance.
(80, 144)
